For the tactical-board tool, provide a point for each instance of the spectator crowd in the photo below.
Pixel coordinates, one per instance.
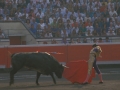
(65, 18)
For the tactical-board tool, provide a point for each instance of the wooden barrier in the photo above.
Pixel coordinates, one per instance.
(3, 57)
(70, 52)
(110, 52)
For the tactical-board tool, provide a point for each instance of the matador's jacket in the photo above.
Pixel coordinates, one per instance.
(94, 53)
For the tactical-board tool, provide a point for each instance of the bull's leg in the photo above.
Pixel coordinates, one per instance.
(12, 72)
(53, 78)
(37, 77)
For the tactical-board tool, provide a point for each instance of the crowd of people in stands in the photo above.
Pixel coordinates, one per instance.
(65, 18)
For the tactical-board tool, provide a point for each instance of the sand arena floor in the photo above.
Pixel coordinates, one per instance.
(25, 80)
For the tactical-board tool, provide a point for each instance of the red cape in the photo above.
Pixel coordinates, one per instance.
(77, 71)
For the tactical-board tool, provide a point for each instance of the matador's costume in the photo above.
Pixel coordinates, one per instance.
(94, 53)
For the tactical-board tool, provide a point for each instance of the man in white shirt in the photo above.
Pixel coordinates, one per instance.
(87, 17)
(79, 18)
(40, 13)
(117, 26)
(18, 14)
(63, 9)
(1, 34)
(112, 12)
(111, 33)
(51, 18)
(90, 27)
(42, 24)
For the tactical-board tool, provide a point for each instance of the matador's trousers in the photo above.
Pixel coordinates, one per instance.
(92, 63)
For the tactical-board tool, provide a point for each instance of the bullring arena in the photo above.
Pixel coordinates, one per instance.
(25, 80)
(68, 29)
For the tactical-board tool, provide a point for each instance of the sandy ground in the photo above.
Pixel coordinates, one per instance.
(25, 80)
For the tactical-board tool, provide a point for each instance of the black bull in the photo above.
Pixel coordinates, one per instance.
(42, 62)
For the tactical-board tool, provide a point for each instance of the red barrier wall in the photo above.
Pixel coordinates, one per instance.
(81, 52)
(71, 52)
(61, 57)
(3, 56)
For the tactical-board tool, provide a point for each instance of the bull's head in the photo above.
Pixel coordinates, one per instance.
(60, 70)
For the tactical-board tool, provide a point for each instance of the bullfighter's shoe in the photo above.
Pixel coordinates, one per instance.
(101, 82)
(85, 83)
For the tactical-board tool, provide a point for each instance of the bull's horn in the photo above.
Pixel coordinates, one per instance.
(65, 66)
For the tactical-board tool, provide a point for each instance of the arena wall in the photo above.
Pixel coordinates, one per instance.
(16, 28)
(65, 53)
